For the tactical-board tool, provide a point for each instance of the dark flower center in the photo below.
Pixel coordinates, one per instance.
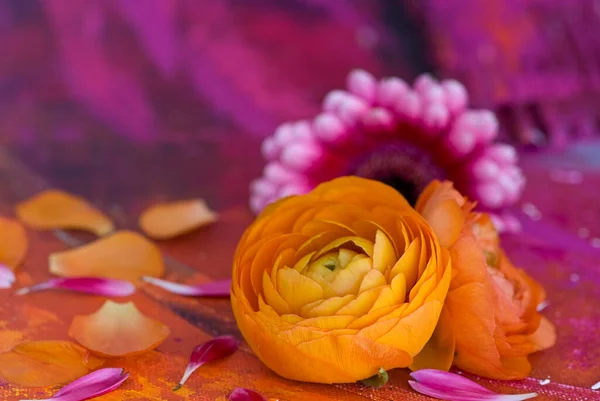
(402, 166)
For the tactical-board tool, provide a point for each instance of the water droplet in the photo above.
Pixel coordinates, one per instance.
(544, 382)
(574, 277)
(543, 305)
(532, 211)
(583, 232)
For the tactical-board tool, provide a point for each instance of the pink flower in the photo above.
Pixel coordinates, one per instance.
(402, 135)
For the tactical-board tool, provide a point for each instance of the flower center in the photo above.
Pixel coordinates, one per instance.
(403, 166)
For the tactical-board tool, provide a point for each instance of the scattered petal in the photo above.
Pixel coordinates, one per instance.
(168, 220)
(453, 387)
(13, 242)
(219, 288)
(54, 209)
(7, 277)
(118, 330)
(88, 285)
(378, 380)
(217, 348)
(243, 394)
(46, 363)
(93, 385)
(596, 386)
(124, 255)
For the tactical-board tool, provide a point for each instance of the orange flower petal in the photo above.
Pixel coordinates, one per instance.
(46, 363)
(124, 255)
(13, 243)
(439, 351)
(54, 209)
(118, 330)
(169, 220)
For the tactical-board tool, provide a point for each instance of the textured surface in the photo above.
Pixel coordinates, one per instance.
(196, 133)
(569, 277)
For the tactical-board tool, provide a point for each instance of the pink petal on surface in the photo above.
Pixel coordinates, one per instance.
(219, 288)
(453, 387)
(88, 285)
(243, 394)
(7, 277)
(93, 385)
(217, 348)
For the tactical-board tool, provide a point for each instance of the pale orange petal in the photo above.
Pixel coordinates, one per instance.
(544, 337)
(46, 363)
(118, 330)
(54, 209)
(168, 220)
(13, 243)
(124, 255)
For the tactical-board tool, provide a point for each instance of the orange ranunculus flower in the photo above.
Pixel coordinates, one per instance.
(489, 324)
(333, 285)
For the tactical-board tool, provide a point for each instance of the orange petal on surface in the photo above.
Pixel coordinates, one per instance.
(169, 220)
(125, 255)
(13, 243)
(545, 336)
(118, 330)
(46, 363)
(54, 209)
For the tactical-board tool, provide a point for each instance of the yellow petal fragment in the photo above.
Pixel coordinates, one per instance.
(349, 279)
(408, 264)
(46, 363)
(296, 289)
(365, 245)
(371, 280)
(362, 304)
(118, 330)
(125, 255)
(345, 256)
(13, 243)
(384, 255)
(326, 307)
(328, 290)
(54, 209)
(168, 220)
(272, 296)
(398, 286)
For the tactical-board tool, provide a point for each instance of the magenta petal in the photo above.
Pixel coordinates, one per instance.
(88, 285)
(217, 348)
(93, 385)
(453, 387)
(7, 277)
(214, 289)
(243, 394)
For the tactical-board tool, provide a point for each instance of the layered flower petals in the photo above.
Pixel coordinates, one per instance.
(118, 330)
(46, 363)
(169, 220)
(398, 133)
(343, 281)
(13, 243)
(124, 255)
(54, 209)
(490, 322)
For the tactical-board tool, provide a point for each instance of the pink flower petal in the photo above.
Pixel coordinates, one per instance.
(93, 385)
(219, 288)
(217, 348)
(243, 394)
(88, 285)
(453, 387)
(7, 277)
